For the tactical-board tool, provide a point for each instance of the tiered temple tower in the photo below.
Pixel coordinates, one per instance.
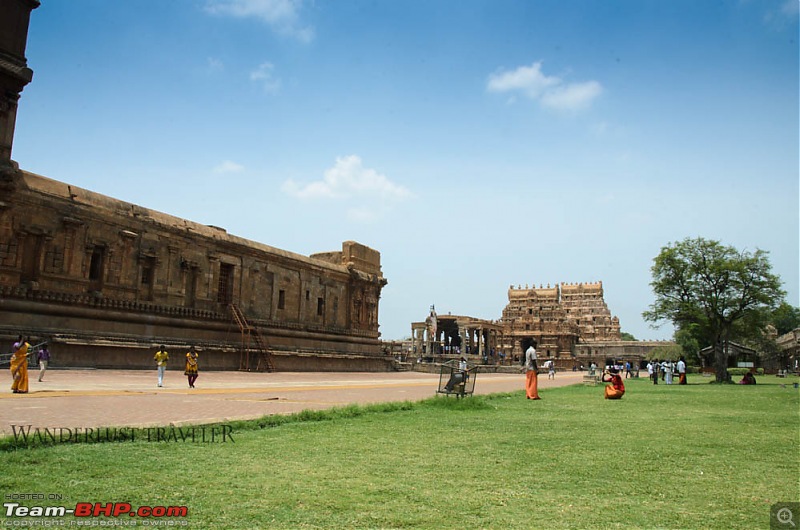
(557, 318)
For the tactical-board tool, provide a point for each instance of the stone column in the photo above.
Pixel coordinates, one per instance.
(14, 72)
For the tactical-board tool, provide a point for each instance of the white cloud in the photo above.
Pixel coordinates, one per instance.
(283, 16)
(574, 96)
(228, 167)
(527, 79)
(264, 74)
(348, 178)
(550, 91)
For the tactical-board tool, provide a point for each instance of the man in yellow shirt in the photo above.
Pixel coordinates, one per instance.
(161, 357)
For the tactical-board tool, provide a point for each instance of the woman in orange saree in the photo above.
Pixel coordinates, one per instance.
(19, 368)
(617, 388)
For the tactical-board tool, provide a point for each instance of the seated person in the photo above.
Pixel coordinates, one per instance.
(748, 379)
(616, 389)
(456, 378)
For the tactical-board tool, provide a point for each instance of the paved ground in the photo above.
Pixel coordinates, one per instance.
(92, 398)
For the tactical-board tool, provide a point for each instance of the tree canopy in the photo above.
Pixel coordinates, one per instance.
(714, 290)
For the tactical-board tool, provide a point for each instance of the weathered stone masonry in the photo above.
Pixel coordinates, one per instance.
(105, 278)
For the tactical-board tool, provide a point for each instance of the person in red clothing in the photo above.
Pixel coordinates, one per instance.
(616, 389)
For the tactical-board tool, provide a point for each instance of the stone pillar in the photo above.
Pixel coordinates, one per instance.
(14, 73)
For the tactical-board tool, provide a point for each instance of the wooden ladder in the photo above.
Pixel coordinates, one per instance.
(250, 333)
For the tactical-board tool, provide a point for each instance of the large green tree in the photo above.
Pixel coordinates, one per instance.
(713, 287)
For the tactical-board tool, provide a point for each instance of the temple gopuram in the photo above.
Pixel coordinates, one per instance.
(557, 318)
(569, 323)
(107, 282)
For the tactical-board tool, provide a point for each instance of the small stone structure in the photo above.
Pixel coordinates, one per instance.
(444, 336)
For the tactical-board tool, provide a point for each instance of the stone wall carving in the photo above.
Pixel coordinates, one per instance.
(557, 318)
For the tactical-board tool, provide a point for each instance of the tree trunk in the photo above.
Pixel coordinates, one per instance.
(721, 362)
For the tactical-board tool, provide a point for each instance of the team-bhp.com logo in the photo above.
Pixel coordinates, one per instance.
(94, 509)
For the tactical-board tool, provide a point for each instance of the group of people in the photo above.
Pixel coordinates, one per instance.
(22, 350)
(615, 390)
(666, 370)
(191, 367)
(18, 363)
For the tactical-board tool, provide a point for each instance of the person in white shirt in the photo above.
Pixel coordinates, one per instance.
(531, 374)
(551, 369)
(681, 367)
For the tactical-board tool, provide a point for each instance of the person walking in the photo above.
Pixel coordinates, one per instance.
(551, 369)
(531, 374)
(161, 357)
(191, 366)
(19, 367)
(44, 359)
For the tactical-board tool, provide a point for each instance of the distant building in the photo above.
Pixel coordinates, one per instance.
(455, 335)
(557, 318)
(739, 355)
(569, 323)
(789, 348)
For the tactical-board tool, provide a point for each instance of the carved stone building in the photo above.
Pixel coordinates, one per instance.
(104, 279)
(569, 323)
(557, 319)
(454, 335)
(107, 282)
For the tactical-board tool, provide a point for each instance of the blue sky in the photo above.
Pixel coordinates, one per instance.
(475, 144)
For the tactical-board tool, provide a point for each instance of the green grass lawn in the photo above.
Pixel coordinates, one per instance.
(695, 456)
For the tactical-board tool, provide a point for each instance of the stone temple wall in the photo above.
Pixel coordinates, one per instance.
(107, 281)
